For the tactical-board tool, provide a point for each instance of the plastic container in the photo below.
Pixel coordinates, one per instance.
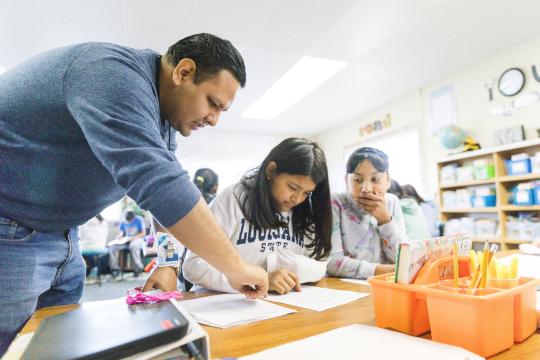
(537, 193)
(403, 307)
(535, 163)
(525, 308)
(464, 174)
(487, 322)
(399, 306)
(523, 196)
(518, 167)
(502, 283)
(484, 201)
(484, 321)
(483, 171)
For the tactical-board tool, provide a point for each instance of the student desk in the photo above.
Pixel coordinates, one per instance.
(250, 338)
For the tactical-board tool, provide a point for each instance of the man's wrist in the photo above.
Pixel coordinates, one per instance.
(237, 265)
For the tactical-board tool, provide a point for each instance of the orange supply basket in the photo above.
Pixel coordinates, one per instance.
(484, 321)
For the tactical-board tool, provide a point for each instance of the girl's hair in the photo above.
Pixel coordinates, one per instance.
(396, 189)
(375, 156)
(410, 191)
(313, 217)
(206, 181)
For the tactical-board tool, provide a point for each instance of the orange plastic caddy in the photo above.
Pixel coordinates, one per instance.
(484, 321)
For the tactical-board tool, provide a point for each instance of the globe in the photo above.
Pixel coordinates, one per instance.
(451, 137)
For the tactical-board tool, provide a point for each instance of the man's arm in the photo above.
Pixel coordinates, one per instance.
(200, 232)
(158, 227)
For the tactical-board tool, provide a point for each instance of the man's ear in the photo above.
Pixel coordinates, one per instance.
(270, 170)
(184, 69)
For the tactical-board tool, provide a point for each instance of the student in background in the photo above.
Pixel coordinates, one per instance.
(368, 222)
(415, 221)
(278, 216)
(431, 213)
(93, 240)
(133, 232)
(207, 181)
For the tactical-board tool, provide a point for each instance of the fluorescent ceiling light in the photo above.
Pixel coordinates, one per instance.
(304, 77)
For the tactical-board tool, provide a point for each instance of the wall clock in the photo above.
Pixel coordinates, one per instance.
(511, 82)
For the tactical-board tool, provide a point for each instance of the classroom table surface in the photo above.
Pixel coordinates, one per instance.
(250, 338)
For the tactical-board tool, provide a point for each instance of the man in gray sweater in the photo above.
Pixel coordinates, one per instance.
(84, 125)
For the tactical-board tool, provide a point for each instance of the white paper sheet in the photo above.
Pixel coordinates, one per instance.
(228, 310)
(529, 249)
(364, 342)
(122, 241)
(357, 281)
(529, 266)
(317, 298)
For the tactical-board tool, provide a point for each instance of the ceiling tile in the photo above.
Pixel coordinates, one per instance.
(150, 26)
(22, 35)
(236, 20)
(98, 11)
(295, 26)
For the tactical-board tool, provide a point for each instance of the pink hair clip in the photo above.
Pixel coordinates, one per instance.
(136, 296)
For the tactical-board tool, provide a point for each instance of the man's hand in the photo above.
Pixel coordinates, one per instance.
(374, 205)
(384, 269)
(282, 281)
(162, 278)
(250, 280)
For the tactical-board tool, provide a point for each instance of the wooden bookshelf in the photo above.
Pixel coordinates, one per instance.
(466, 184)
(519, 178)
(519, 208)
(469, 210)
(502, 182)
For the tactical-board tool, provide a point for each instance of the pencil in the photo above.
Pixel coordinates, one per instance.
(485, 263)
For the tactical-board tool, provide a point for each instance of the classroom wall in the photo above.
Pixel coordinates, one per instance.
(229, 153)
(472, 107)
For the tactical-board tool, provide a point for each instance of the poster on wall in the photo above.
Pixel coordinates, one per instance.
(509, 135)
(442, 108)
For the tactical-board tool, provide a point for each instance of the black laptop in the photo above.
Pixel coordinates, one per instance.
(106, 330)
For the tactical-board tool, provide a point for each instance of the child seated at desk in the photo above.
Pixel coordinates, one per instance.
(278, 216)
(368, 222)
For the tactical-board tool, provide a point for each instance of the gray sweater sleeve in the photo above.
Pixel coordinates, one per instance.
(358, 243)
(341, 264)
(115, 104)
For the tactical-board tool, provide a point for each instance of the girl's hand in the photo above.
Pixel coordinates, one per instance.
(384, 269)
(282, 281)
(374, 205)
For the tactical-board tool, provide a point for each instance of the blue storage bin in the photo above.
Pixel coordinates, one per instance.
(484, 201)
(537, 195)
(523, 197)
(519, 167)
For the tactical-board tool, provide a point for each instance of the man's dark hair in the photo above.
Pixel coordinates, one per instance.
(211, 54)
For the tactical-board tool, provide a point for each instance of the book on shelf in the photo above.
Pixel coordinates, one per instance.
(411, 256)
